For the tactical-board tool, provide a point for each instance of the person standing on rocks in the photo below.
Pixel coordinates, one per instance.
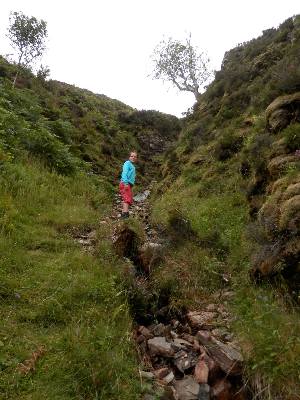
(126, 183)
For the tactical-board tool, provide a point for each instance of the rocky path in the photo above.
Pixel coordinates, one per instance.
(186, 357)
(192, 356)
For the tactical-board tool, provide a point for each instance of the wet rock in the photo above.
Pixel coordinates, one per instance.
(184, 360)
(187, 389)
(228, 358)
(221, 390)
(202, 319)
(160, 347)
(201, 371)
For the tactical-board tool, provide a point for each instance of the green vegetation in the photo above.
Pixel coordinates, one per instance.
(66, 328)
(27, 36)
(72, 129)
(57, 300)
(228, 201)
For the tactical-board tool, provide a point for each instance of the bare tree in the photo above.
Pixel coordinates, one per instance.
(182, 65)
(27, 36)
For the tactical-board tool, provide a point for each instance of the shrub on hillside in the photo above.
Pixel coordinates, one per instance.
(63, 129)
(228, 145)
(291, 136)
(167, 125)
(52, 151)
(284, 32)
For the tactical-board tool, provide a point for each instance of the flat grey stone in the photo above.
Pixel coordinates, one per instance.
(187, 389)
(160, 347)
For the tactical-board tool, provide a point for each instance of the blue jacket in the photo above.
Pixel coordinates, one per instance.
(128, 173)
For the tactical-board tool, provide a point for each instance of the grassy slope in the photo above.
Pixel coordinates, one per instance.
(207, 203)
(62, 121)
(56, 296)
(60, 154)
(64, 317)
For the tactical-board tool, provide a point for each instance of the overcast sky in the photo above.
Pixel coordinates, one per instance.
(105, 45)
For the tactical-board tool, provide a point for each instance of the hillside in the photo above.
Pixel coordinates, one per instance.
(72, 125)
(224, 213)
(232, 207)
(65, 324)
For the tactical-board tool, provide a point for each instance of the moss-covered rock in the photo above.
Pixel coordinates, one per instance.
(282, 111)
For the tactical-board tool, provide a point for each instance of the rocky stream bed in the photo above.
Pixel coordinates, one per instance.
(188, 356)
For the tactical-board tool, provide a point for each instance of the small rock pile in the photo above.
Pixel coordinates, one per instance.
(195, 359)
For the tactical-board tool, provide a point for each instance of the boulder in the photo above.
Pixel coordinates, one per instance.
(282, 111)
(158, 346)
(227, 357)
(279, 218)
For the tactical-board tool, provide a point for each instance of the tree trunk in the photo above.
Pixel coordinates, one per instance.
(18, 70)
(15, 78)
(197, 95)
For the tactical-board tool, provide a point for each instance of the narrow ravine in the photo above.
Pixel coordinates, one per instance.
(185, 355)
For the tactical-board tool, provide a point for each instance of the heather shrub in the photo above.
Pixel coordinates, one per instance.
(291, 135)
(228, 144)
